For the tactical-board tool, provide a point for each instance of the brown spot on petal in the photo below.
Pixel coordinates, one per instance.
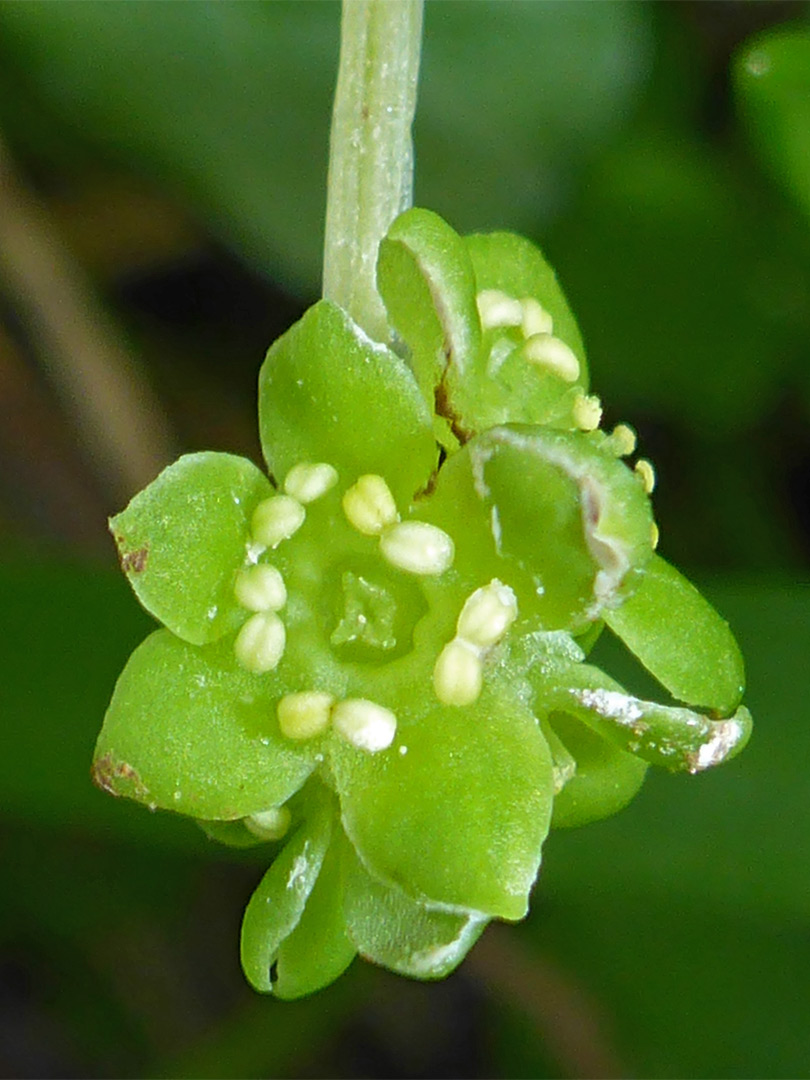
(105, 771)
(134, 561)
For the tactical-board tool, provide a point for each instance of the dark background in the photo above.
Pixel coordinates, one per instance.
(162, 182)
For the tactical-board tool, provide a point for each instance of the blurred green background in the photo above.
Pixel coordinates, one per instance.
(162, 183)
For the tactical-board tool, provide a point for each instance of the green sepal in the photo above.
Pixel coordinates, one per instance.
(460, 815)
(674, 738)
(182, 540)
(318, 949)
(501, 386)
(327, 393)
(601, 780)
(680, 638)
(189, 730)
(276, 907)
(566, 524)
(399, 933)
(426, 280)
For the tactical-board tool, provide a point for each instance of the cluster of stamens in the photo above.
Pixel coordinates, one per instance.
(484, 620)
(365, 724)
(499, 311)
(416, 547)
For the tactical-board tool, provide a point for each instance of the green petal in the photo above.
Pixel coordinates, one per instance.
(317, 951)
(603, 780)
(456, 811)
(675, 738)
(681, 639)
(327, 393)
(276, 907)
(182, 539)
(392, 929)
(189, 730)
(563, 522)
(426, 279)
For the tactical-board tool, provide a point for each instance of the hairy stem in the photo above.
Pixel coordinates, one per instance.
(371, 151)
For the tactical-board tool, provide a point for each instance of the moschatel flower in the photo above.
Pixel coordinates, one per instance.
(376, 657)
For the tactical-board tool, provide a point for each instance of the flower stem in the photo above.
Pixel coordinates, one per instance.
(371, 151)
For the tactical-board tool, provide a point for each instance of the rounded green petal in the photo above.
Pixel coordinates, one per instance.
(564, 523)
(398, 932)
(600, 780)
(183, 538)
(277, 905)
(189, 730)
(328, 393)
(456, 811)
(426, 280)
(680, 638)
(318, 950)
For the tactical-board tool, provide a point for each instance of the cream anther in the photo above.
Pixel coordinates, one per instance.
(536, 320)
(487, 615)
(654, 535)
(369, 505)
(497, 309)
(269, 824)
(306, 483)
(259, 645)
(365, 724)
(458, 674)
(417, 548)
(624, 439)
(587, 412)
(549, 352)
(646, 473)
(304, 715)
(276, 519)
(260, 588)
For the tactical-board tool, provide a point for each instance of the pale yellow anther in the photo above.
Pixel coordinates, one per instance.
(458, 674)
(365, 724)
(306, 482)
(269, 824)
(496, 309)
(417, 548)
(369, 505)
(487, 614)
(259, 645)
(587, 412)
(276, 519)
(304, 715)
(654, 535)
(260, 588)
(536, 320)
(549, 352)
(624, 439)
(646, 473)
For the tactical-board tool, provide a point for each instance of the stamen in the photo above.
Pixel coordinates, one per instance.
(587, 412)
(260, 588)
(269, 824)
(487, 614)
(365, 724)
(654, 535)
(304, 715)
(418, 548)
(276, 519)
(259, 645)
(536, 320)
(646, 473)
(624, 439)
(369, 505)
(306, 483)
(547, 351)
(497, 309)
(458, 674)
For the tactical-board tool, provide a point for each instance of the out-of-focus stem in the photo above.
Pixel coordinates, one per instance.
(371, 150)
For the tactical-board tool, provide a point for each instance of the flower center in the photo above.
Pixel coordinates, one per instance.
(372, 613)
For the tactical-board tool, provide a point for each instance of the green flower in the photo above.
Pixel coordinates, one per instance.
(378, 655)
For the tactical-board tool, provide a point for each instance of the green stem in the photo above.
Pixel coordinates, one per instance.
(371, 151)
